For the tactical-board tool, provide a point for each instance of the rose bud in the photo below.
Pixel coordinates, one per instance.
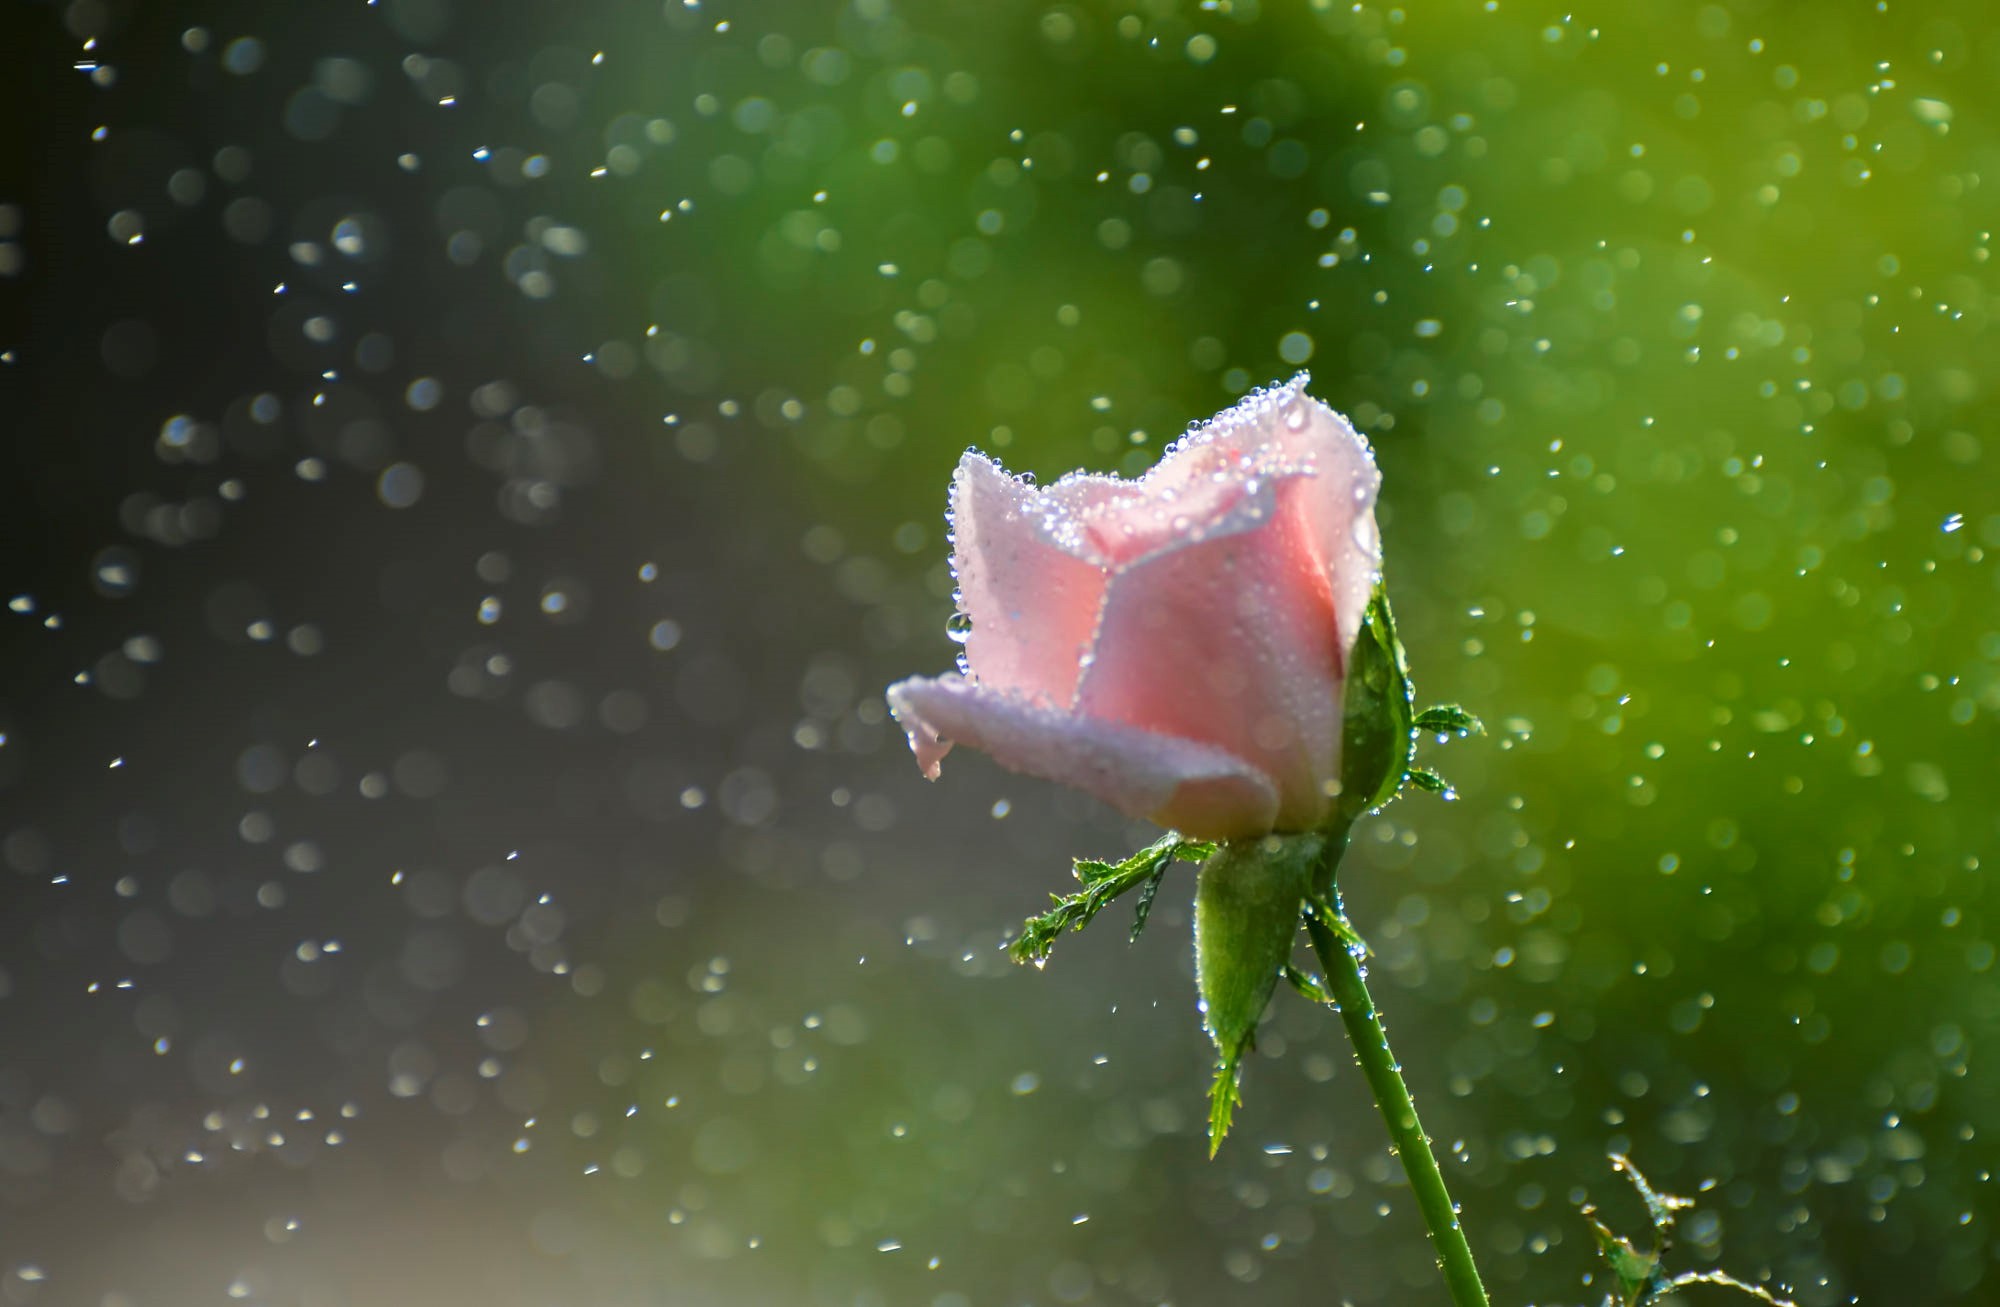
(1177, 646)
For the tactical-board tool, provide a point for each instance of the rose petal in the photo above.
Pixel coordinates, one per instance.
(1200, 791)
(1113, 522)
(1272, 433)
(1278, 429)
(1033, 604)
(1231, 639)
(1207, 606)
(1123, 530)
(1339, 512)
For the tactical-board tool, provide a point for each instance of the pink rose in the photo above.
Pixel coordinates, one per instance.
(1175, 646)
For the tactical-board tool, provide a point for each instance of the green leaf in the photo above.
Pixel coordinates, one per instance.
(1103, 882)
(1661, 1208)
(1144, 908)
(1635, 1271)
(1224, 1096)
(1378, 733)
(1642, 1279)
(1723, 1280)
(1341, 928)
(1449, 719)
(1246, 914)
(1426, 779)
(1309, 985)
(1089, 871)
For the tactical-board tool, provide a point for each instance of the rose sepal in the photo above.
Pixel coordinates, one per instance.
(1246, 916)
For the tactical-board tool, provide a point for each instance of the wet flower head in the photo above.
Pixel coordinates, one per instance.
(1175, 645)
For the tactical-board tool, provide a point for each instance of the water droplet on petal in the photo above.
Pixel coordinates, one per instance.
(959, 627)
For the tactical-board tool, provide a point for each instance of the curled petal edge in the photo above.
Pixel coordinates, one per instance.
(1197, 789)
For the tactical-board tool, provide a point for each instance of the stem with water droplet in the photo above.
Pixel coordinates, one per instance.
(1341, 961)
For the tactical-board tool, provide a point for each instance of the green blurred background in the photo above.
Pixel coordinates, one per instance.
(662, 976)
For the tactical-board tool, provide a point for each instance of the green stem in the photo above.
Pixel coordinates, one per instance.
(1342, 963)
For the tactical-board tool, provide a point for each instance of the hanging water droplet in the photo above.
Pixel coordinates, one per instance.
(959, 627)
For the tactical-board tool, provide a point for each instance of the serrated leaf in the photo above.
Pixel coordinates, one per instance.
(1449, 719)
(1103, 882)
(1144, 907)
(1246, 915)
(1309, 985)
(1642, 1280)
(1660, 1208)
(1088, 871)
(1723, 1280)
(1225, 1094)
(1335, 920)
(1634, 1271)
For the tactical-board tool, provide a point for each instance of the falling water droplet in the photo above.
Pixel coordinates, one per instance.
(1953, 523)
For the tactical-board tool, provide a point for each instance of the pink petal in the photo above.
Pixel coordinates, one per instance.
(1206, 475)
(1033, 604)
(1233, 636)
(1173, 645)
(1161, 513)
(1276, 429)
(1268, 434)
(1339, 510)
(1201, 791)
